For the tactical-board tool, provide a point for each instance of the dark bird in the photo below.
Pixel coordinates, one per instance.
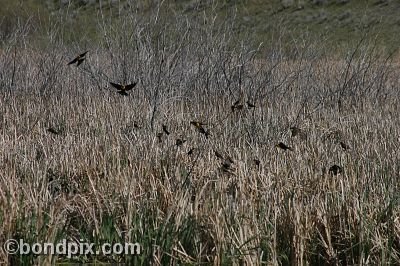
(257, 162)
(335, 169)
(136, 125)
(197, 124)
(159, 137)
(80, 58)
(283, 146)
(165, 129)
(218, 155)
(53, 131)
(236, 106)
(227, 164)
(122, 89)
(295, 131)
(190, 152)
(204, 132)
(200, 128)
(250, 105)
(229, 160)
(344, 146)
(298, 132)
(179, 142)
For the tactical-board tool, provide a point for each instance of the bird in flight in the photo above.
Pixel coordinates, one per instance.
(283, 146)
(200, 128)
(54, 131)
(250, 104)
(236, 106)
(80, 58)
(122, 89)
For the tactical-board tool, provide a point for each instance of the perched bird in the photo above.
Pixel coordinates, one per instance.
(283, 146)
(250, 105)
(204, 132)
(80, 58)
(227, 164)
(344, 146)
(200, 128)
(165, 129)
(335, 169)
(122, 89)
(54, 131)
(159, 137)
(136, 125)
(193, 195)
(298, 132)
(229, 160)
(179, 142)
(190, 152)
(295, 131)
(257, 162)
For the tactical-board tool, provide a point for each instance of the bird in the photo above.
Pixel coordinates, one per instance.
(335, 169)
(229, 160)
(298, 132)
(250, 105)
(344, 146)
(179, 142)
(197, 124)
(54, 131)
(80, 58)
(227, 165)
(236, 106)
(218, 155)
(236, 103)
(257, 162)
(159, 137)
(200, 128)
(122, 89)
(165, 129)
(295, 131)
(190, 152)
(283, 146)
(136, 125)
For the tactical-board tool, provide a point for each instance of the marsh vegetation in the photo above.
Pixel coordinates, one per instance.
(226, 152)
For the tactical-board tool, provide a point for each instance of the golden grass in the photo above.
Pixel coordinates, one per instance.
(289, 209)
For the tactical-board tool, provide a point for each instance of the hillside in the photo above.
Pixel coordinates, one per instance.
(337, 23)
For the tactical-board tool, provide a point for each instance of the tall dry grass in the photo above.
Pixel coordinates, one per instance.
(103, 179)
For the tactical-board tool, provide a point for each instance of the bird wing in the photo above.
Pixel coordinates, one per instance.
(73, 61)
(122, 93)
(130, 86)
(80, 61)
(82, 55)
(117, 86)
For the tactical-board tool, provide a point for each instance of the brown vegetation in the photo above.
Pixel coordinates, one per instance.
(104, 178)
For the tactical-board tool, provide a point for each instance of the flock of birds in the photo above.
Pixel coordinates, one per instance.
(227, 161)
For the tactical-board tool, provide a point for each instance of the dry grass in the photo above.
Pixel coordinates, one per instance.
(103, 179)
